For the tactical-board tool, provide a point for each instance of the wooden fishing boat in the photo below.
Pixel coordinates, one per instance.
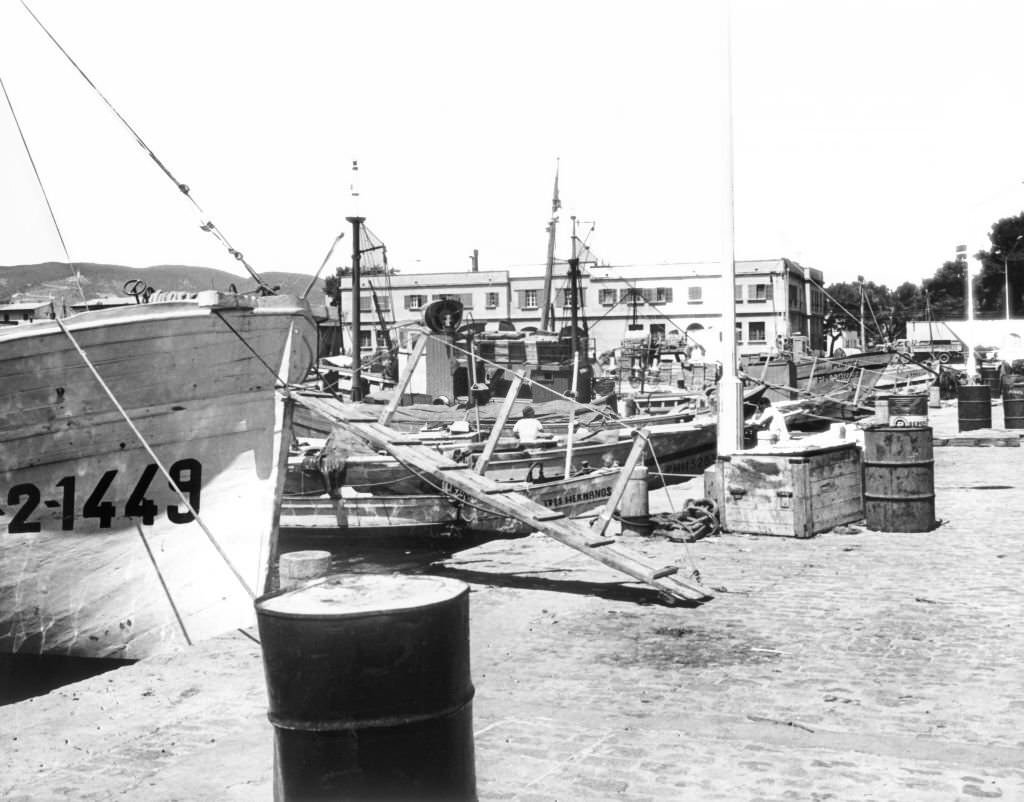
(680, 448)
(430, 514)
(143, 449)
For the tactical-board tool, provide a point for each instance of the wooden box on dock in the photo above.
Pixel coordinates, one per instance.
(792, 493)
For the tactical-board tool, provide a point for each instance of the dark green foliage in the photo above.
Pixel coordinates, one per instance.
(1005, 254)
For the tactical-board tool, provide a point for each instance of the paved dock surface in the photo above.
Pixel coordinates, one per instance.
(861, 666)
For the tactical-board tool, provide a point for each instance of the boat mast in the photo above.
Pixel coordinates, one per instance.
(581, 364)
(357, 367)
(556, 204)
(730, 389)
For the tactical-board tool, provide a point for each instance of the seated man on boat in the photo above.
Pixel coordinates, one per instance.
(772, 419)
(528, 429)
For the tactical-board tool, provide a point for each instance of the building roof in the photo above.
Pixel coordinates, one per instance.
(24, 306)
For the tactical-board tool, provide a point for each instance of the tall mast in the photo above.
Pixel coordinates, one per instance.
(581, 363)
(357, 222)
(357, 365)
(730, 389)
(556, 204)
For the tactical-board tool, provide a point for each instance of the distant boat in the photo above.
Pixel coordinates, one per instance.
(99, 555)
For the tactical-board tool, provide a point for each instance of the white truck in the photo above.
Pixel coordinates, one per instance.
(934, 340)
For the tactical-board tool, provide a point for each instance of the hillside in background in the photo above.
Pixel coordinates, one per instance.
(99, 280)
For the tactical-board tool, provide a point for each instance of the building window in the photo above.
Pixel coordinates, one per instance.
(755, 331)
(365, 339)
(662, 295)
(563, 298)
(759, 292)
(694, 295)
(607, 297)
(527, 299)
(738, 295)
(366, 303)
(466, 299)
(415, 301)
(739, 332)
(492, 300)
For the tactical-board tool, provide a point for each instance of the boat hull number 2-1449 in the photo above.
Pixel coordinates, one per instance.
(25, 498)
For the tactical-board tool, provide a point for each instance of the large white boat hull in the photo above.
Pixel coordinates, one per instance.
(99, 556)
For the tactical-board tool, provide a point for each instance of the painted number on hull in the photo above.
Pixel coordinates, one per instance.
(186, 473)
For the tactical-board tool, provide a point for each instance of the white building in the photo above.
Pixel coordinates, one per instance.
(776, 299)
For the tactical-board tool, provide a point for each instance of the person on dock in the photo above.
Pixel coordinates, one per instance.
(528, 429)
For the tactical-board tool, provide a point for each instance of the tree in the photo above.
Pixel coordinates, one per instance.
(946, 292)
(886, 312)
(1001, 268)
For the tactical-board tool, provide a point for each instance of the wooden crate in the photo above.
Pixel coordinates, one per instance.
(792, 493)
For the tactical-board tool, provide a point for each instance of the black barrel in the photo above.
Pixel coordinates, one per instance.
(974, 407)
(1013, 407)
(990, 377)
(369, 689)
(899, 479)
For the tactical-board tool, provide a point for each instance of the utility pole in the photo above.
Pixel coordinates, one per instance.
(863, 336)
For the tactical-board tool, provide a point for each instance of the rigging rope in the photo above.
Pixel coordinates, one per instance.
(42, 188)
(206, 225)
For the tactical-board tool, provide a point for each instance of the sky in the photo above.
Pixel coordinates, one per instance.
(869, 138)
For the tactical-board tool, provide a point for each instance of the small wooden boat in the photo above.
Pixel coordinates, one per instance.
(425, 514)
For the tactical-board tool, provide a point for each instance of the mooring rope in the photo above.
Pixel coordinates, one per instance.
(205, 224)
(163, 584)
(46, 197)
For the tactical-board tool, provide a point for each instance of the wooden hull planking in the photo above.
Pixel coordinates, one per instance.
(81, 499)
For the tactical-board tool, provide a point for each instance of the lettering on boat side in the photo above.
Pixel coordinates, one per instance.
(186, 473)
(576, 498)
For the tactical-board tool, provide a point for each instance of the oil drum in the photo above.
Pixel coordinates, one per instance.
(1013, 407)
(974, 407)
(899, 479)
(369, 688)
(908, 410)
(990, 377)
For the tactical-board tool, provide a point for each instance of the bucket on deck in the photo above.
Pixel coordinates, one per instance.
(908, 410)
(369, 688)
(974, 407)
(1013, 407)
(899, 479)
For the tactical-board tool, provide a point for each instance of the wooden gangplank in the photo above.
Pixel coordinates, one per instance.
(494, 496)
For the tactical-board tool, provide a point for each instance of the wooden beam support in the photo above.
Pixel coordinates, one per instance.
(604, 518)
(403, 380)
(499, 423)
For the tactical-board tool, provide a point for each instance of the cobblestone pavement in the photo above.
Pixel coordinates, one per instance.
(864, 666)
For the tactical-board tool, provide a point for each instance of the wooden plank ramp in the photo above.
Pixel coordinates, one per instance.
(493, 496)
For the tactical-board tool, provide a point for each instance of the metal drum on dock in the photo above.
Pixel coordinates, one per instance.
(369, 688)
(1013, 407)
(990, 378)
(899, 479)
(908, 410)
(974, 407)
